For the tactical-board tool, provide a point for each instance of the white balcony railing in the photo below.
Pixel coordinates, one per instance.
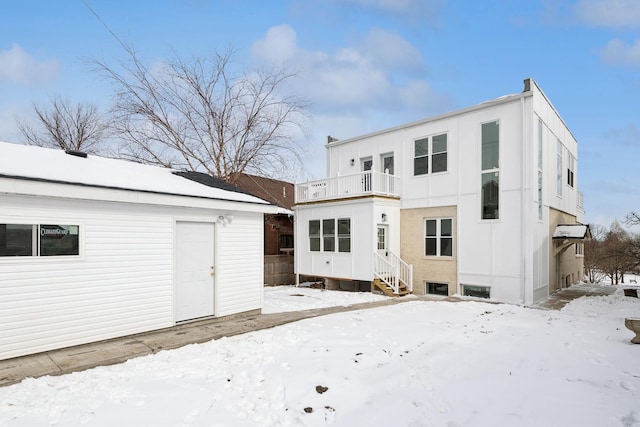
(357, 184)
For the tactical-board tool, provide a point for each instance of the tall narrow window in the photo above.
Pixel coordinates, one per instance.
(570, 169)
(387, 163)
(539, 169)
(421, 157)
(328, 235)
(490, 170)
(438, 237)
(344, 235)
(559, 169)
(314, 235)
(439, 156)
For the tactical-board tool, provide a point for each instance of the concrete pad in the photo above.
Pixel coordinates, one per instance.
(15, 370)
(96, 354)
(178, 337)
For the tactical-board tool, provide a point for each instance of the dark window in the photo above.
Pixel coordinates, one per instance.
(16, 240)
(39, 240)
(329, 235)
(286, 241)
(476, 291)
(437, 288)
(438, 159)
(314, 235)
(439, 156)
(344, 235)
(438, 237)
(490, 189)
(59, 240)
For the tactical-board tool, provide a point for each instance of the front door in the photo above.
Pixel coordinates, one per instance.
(383, 240)
(194, 270)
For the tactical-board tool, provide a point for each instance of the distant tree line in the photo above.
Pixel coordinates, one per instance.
(613, 252)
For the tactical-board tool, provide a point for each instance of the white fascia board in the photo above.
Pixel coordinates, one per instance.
(81, 192)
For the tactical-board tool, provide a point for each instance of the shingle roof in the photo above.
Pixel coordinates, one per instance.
(279, 193)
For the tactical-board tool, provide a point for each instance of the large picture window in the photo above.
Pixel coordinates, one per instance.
(438, 237)
(430, 154)
(39, 240)
(490, 192)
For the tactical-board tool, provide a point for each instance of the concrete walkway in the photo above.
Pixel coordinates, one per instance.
(118, 350)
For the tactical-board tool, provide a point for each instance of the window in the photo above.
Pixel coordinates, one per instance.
(559, 169)
(286, 241)
(323, 235)
(539, 169)
(438, 237)
(39, 240)
(436, 288)
(329, 235)
(344, 235)
(314, 235)
(580, 249)
(570, 169)
(382, 238)
(387, 163)
(490, 170)
(437, 162)
(476, 291)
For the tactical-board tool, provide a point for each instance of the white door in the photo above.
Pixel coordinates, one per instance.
(366, 166)
(383, 240)
(194, 270)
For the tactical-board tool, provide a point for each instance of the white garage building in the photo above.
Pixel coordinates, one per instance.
(94, 248)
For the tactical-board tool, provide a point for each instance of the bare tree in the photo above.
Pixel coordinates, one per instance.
(196, 115)
(64, 125)
(633, 218)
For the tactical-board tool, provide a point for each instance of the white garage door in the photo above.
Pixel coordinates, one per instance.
(194, 270)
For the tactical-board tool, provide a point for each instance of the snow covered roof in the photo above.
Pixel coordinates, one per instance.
(45, 164)
(572, 231)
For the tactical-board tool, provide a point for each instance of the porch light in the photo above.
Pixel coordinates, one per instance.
(384, 217)
(353, 162)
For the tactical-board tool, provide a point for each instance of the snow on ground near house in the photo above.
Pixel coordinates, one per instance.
(420, 363)
(280, 299)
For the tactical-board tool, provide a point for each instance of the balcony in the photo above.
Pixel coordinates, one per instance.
(368, 183)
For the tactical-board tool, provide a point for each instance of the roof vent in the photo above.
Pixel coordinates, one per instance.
(76, 153)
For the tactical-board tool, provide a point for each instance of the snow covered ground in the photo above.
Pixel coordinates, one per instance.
(419, 363)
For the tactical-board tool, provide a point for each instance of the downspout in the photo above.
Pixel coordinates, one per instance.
(525, 217)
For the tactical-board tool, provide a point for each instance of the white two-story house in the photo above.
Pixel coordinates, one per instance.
(479, 202)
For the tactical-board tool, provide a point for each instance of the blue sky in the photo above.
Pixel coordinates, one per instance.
(365, 65)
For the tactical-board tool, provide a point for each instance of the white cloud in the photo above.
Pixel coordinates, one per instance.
(620, 53)
(17, 66)
(382, 70)
(609, 13)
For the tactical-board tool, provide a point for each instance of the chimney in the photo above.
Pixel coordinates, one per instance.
(527, 85)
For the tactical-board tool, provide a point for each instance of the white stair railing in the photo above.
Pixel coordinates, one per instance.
(393, 271)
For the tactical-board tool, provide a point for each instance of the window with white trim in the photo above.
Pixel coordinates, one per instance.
(323, 235)
(490, 190)
(559, 168)
(438, 239)
(579, 248)
(540, 169)
(39, 240)
(436, 288)
(430, 154)
(476, 291)
(570, 170)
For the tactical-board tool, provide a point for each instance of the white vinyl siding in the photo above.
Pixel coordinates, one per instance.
(240, 265)
(122, 282)
(121, 285)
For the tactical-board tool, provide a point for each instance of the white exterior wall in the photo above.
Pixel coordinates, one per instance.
(123, 281)
(365, 215)
(239, 264)
(510, 255)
